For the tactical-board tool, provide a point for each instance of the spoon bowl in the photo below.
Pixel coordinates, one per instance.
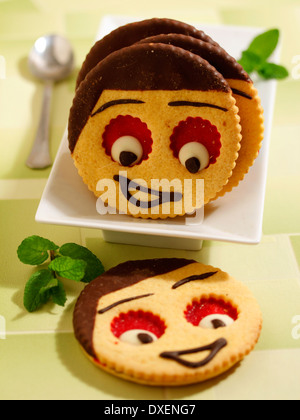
(50, 60)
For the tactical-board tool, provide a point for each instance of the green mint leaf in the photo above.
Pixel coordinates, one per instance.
(94, 266)
(264, 44)
(34, 250)
(259, 50)
(250, 61)
(68, 268)
(58, 294)
(272, 71)
(37, 289)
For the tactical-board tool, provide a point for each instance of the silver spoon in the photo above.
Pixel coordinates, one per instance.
(50, 60)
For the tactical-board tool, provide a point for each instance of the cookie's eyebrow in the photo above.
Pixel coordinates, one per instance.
(116, 102)
(197, 105)
(113, 305)
(241, 93)
(193, 278)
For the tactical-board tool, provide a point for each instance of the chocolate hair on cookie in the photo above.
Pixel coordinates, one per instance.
(130, 33)
(142, 67)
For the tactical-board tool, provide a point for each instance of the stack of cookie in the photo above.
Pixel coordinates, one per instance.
(160, 100)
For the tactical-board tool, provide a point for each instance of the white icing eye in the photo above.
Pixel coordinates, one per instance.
(127, 150)
(215, 321)
(194, 156)
(138, 337)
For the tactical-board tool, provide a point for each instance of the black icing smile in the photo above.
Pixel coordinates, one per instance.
(214, 348)
(163, 197)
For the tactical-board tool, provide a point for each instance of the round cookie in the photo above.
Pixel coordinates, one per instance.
(166, 321)
(128, 34)
(176, 108)
(243, 90)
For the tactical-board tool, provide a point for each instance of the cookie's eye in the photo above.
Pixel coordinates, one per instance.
(127, 140)
(194, 156)
(211, 313)
(138, 327)
(127, 150)
(196, 143)
(138, 337)
(216, 321)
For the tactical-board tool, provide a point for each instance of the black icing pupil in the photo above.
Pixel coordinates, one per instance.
(145, 338)
(217, 323)
(127, 158)
(192, 165)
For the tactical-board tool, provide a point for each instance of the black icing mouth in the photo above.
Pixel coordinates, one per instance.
(163, 197)
(214, 348)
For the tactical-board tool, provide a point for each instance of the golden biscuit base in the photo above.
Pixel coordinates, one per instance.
(252, 123)
(185, 353)
(161, 162)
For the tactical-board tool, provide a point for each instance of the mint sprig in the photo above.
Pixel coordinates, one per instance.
(255, 57)
(39, 289)
(70, 261)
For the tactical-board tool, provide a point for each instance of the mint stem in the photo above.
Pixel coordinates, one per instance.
(52, 255)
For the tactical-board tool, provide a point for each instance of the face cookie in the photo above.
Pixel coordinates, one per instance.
(243, 90)
(160, 125)
(166, 321)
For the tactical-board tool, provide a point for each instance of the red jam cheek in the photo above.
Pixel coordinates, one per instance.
(137, 320)
(126, 125)
(197, 130)
(208, 306)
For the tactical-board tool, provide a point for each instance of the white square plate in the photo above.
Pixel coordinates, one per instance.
(236, 217)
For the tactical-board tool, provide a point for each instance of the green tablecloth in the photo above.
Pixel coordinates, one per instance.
(39, 357)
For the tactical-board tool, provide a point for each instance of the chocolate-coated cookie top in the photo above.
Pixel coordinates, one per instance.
(131, 33)
(142, 67)
(214, 54)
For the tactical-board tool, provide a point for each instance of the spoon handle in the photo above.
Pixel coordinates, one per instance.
(39, 157)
